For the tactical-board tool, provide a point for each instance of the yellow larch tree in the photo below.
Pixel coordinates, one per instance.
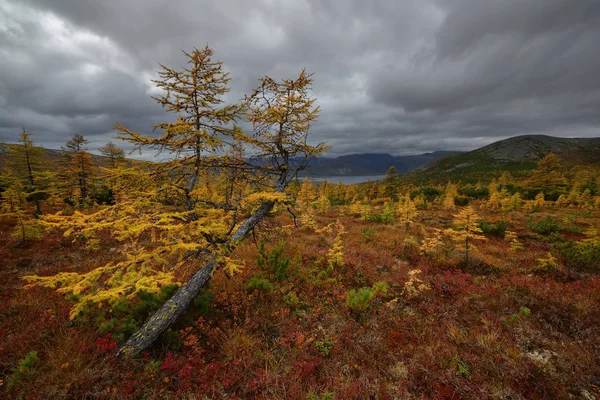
(574, 194)
(114, 159)
(169, 217)
(351, 194)
(451, 192)
(13, 205)
(335, 255)
(322, 203)
(592, 236)
(513, 240)
(415, 285)
(406, 210)
(495, 198)
(511, 203)
(586, 197)
(540, 200)
(506, 179)
(115, 156)
(77, 171)
(339, 194)
(561, 201)
(13, 196)
(420, 202)
(305, 202)
(549, 174)
(465, 230)
(307, 193)
(515, 201)
(431, 245)
(25, 159)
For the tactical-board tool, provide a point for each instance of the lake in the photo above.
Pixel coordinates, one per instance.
(347, 180)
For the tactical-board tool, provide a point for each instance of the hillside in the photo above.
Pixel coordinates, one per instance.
(517, 155)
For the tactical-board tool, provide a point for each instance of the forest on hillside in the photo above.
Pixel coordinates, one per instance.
(220, 274)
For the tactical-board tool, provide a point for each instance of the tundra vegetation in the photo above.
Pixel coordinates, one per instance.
(221, 274)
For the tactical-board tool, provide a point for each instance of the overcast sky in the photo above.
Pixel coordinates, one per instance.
(397, 76)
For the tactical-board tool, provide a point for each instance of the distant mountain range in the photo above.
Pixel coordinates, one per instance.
(517, 155)
(369, 164)
(348, 165)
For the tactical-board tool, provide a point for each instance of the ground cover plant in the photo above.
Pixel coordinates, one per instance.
(292, 325)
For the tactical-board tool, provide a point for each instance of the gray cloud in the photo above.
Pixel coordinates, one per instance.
(391, 76)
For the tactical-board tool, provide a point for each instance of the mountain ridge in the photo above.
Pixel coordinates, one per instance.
(357, 164)
(516, 154)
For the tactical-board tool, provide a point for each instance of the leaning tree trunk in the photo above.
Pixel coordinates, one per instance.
(182, 298)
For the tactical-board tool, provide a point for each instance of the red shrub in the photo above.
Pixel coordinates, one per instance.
(105, 344)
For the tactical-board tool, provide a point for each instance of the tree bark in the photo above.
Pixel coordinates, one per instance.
(178, 303)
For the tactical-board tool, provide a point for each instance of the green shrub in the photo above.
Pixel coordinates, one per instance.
(411, 249)
(579, 256)
(359, 300)
(461, 200)
(474, 193)
(104, 195)
(381, 288)
(494, 228)
(125, 329)
(258, 283)
(544, 226)
(202, 303)
(462, 368)
(273, 262)
(571, 229)
(29, 361)
(147, 303)
(25, 365)
(429, 193)
(524, 312)
(529, 194)
(376, 217)
(107, 326)
(291, 299)
(126, 317)
(324, 346)
(172, 339)
(326, 395)
(153, 366)
(386, 216)
(554, 237)
(368, 233)
(549, 225)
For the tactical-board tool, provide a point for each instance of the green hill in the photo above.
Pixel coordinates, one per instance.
(517, 155)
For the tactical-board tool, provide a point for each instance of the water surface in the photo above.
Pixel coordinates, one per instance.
(347, 180)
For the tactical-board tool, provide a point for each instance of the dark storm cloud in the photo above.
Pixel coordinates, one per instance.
(391, 76)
